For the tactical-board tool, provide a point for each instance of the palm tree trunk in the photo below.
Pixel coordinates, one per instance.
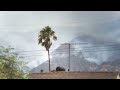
(49, 59)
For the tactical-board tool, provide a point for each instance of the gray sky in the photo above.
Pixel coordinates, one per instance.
(20, 28)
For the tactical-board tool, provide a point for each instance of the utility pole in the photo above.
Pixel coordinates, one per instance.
(69, 44)
(69, 56)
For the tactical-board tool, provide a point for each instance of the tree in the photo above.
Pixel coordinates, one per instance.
(10, 66)
(44, 38)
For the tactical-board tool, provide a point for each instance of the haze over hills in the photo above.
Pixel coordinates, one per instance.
(96, 55)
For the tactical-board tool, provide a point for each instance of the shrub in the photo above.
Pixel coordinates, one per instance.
(60, 68)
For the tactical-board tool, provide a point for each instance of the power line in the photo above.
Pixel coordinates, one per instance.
(67, 53)
(93, 45)
(34, 51)
(71, 48)
(63, 52)
(94, 50)
(40, 55)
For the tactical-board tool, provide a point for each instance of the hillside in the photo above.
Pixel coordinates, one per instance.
(83, 58)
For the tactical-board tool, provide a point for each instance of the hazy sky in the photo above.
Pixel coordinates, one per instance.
(20, 28)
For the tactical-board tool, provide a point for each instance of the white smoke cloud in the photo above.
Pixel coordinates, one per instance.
(20, 28)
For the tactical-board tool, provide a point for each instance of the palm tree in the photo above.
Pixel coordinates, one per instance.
(44, 38)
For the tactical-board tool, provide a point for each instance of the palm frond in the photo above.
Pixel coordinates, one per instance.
(44, 37)
(47, 39)
(52, 33)
(54, 38)
(39, 35)
(43, 43)
(39, 40)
